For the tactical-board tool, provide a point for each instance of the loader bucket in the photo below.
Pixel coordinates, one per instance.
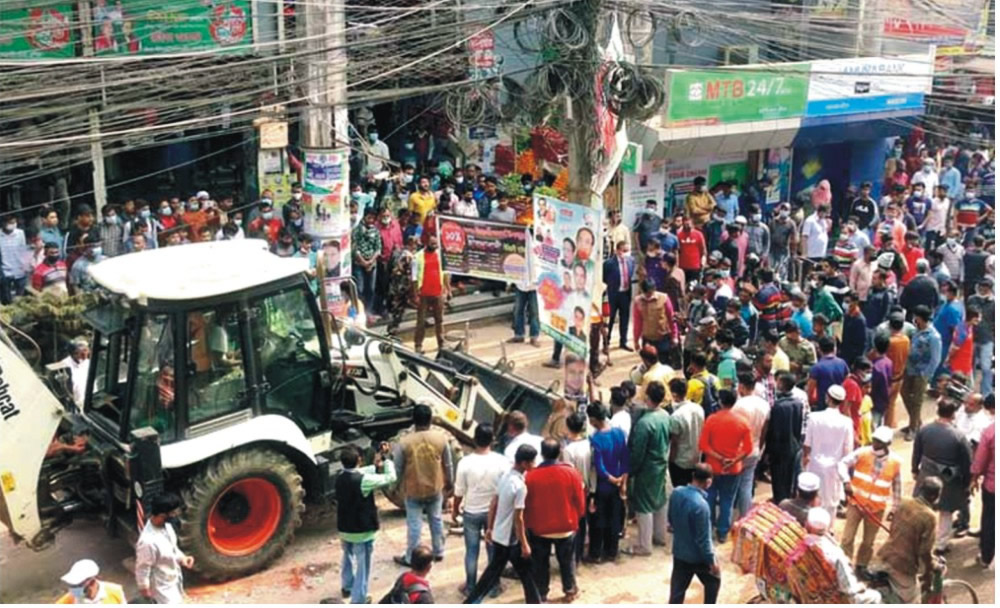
(509, 390)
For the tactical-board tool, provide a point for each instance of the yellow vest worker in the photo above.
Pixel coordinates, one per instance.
(85, 588)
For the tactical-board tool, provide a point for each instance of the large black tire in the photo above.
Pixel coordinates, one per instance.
(229, 524)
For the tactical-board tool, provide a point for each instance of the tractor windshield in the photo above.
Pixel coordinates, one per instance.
(154, 403)
(289, 355)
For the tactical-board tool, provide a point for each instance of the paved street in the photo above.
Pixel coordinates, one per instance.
(309, 570)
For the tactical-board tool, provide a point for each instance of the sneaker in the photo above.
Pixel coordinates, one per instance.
(515, 340)
(345, 593)
(551, 364)
(632, 551)
(570, 595)
(535, 342)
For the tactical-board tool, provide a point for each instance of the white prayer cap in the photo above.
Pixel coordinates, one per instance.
(81, 572)
(808, 482)
(883, 434)
(837, 392)
(818, 520)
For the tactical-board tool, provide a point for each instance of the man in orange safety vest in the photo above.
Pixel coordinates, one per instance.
(877, 474)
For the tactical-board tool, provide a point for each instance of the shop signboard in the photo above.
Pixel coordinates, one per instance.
(736, 95)
(36, 33)
(632, 161)
(565, 253)
(946, 23)
(637, 188)
(133, 27)
(868, 84)
(487, 250)
(326, 192)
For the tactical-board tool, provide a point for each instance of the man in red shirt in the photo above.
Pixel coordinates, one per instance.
(725, 441)
(194, 218)
(266, 225)
(692, 250)
(960, 353)
(51, 271)
(857, 385)
(412, 586)
(429, 290)
(911, 252)
(552, 513)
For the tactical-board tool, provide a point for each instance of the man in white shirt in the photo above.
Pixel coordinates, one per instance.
(829, 439)
(621, 418)
(517, 430)
(818, 526)
(476, 482)
(158, 559)
(816, 234)
(466, 206)
(579, 454)
(971, 420)
(756, 411)
(78, 365)
(506, 531)
(686, 423)
(926, 176)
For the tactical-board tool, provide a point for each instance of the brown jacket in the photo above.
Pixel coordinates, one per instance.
(911, 538)
(423, 461)
(653, 315)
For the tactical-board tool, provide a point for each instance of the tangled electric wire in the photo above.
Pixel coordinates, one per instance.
(629, 93)
(558, 30)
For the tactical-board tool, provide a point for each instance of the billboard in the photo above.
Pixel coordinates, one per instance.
(868, 84)
(37, 33)
(736, 95)
(133, 27)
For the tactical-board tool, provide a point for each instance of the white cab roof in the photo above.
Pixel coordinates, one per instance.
(194, 271)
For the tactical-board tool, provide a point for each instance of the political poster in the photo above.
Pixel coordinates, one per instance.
(637, 188)
(326, 192)
(336, 252)
(478, 248)
(139, 27)
(39, 32)
(565, 255)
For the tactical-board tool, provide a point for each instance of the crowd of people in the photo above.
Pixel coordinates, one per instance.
(776, 343)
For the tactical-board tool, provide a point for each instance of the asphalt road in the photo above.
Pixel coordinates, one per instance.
(309, 569)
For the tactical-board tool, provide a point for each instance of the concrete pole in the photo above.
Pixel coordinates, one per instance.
(94, 119)
(583, 110)
(325, 74)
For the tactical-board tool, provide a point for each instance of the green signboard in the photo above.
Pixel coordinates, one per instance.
(737, 95)
(36, 33)
(132, 27)
(728, 172)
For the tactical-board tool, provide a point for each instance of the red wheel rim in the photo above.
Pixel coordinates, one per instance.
(244, 517)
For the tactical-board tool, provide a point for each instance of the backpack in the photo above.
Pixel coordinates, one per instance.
(400, 594)
(710, 397)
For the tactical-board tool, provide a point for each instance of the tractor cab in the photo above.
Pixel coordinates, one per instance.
(187, 347)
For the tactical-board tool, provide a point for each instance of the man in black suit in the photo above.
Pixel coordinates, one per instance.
(619, 270)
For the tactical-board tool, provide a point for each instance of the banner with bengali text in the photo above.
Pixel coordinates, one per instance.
(483, 249)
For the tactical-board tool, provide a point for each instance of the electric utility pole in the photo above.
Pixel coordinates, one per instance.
(583, 108)
(325, 74)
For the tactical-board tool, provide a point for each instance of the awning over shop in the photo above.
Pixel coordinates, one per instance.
(823, 130)
(710, 140)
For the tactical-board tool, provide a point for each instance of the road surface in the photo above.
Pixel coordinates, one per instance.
(309, 569)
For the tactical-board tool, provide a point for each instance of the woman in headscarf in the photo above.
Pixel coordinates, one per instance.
(821, 194)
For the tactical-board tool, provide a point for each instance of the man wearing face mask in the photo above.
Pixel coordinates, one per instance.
(466, 206)
(293, 204)
(79, 279)
(51, 272)
(366, 241)
(430, 289)
(377, 154)
(783, 239)
(266, 225)
(926, 176)
(815, 237)
(111, 231)
(13, 250)
(699, 203)
(877, 476)
(392, 240)
(194, 218)
(908, 550)
(950, 178)
(86, 588)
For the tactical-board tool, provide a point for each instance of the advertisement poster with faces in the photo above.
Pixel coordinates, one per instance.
(326, 192)
(566, 255)
(336, 252)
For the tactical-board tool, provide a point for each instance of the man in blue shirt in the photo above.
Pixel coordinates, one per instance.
(691, 520)
(951, 178)
(728, 200)
(924, 357)
(948, 317)
(605, 503)
(829, 370)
